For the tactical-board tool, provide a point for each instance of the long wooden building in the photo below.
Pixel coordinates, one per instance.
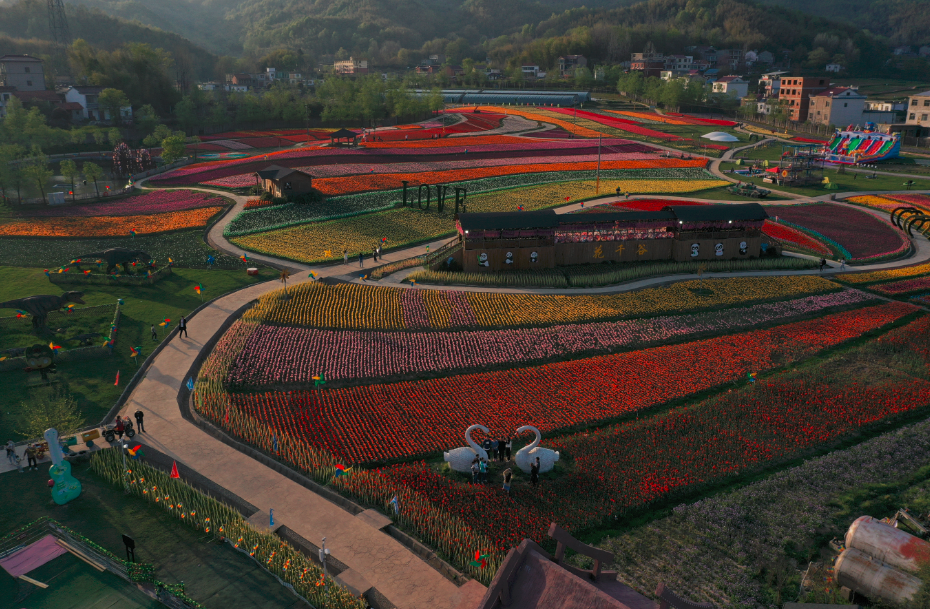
(544, 239)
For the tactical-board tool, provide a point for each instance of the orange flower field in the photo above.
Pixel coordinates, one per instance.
(109, 226)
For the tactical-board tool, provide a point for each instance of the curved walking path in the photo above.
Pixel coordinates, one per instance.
(371, 555)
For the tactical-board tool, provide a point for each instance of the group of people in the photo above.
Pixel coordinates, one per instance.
(121, 425)
(182, 329)
(503, 450)
(32, 453)
(375, 254)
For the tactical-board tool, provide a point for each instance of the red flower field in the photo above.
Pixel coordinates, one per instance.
(375, 422)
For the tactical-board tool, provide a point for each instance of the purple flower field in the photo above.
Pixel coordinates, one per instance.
(861, 233)
(274, 354)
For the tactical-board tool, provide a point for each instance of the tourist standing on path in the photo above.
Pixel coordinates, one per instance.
(474, 470)
(842, 264)
(119, 428)
(483, 469)
(154, 335)
(508, 478)
(139, 418)
(823, 263)
(11, 452)
(495, 446)
(534, 472)
(182, 327)
(501, 449)
(345, 256)
(509, 447)
(31, 457)
(361, 260)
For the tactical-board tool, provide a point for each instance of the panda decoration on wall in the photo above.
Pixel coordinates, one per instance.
(695, 250)
(534, 257)
(509, 258)
(742, 248)
(718, 249)
(483, 259)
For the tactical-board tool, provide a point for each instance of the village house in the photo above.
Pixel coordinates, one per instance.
(23, 72)
(284, 182)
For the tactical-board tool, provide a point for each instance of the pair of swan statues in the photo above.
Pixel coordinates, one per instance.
(460, 459)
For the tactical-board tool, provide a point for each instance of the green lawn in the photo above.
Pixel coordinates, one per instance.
(91, 382)
(722, 194)
(213, 573)
(848, 182)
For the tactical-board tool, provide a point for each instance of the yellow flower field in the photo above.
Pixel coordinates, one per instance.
(370, 307)
(908, 271)
(309, 242)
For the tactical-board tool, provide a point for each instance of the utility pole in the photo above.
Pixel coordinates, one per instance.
(597, 185)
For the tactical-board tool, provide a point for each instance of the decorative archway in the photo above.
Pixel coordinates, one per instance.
(916, 222)
(897, 214)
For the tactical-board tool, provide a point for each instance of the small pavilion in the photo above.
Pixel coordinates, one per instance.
(343, 134)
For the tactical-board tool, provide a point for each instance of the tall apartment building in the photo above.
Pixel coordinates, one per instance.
(797, 92)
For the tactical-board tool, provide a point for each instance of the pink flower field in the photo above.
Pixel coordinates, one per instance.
(301, 353)
(150, 203)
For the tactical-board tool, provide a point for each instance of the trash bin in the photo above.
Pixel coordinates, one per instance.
(833, 197)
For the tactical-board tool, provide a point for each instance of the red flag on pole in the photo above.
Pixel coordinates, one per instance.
(174, 470)
(116, 384)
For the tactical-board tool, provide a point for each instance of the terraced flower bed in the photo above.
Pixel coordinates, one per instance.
(573, 185)
(144, 204)
(187, 248)
(856, 235)
(345, 355)
(109, 226)
(363, 307)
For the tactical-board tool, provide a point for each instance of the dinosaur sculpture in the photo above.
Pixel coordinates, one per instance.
(114, 257)
(40, 306)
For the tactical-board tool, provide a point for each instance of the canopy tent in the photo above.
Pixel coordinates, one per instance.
(720, 136)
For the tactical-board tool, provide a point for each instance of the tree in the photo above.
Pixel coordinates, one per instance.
(186, 112)
(36, 169)
(69, 170)
(114, 136)
(146, 119)
(94, 172)
(10, 172)
(583, 78)
(112, 101)
(54, 409)
(172, 148)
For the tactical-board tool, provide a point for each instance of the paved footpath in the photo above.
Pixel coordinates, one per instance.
(395, 571)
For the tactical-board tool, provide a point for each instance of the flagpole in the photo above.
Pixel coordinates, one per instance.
(597, 187)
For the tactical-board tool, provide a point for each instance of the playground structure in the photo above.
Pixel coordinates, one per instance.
(856, 146)
(799, 166)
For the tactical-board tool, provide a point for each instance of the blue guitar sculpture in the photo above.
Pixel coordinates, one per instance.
(66, 486)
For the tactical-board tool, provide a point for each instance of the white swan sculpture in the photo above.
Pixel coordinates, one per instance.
(460, 459)
(528, 454)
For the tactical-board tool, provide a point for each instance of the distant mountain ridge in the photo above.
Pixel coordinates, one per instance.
(901, 21)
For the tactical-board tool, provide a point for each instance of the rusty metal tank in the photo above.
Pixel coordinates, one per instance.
(870, 577)
(888, 544)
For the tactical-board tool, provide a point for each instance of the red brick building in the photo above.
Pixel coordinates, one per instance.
(797, 92)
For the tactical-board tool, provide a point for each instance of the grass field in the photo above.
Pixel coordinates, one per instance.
(847, 182)
(213, 573)
(91, 382)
